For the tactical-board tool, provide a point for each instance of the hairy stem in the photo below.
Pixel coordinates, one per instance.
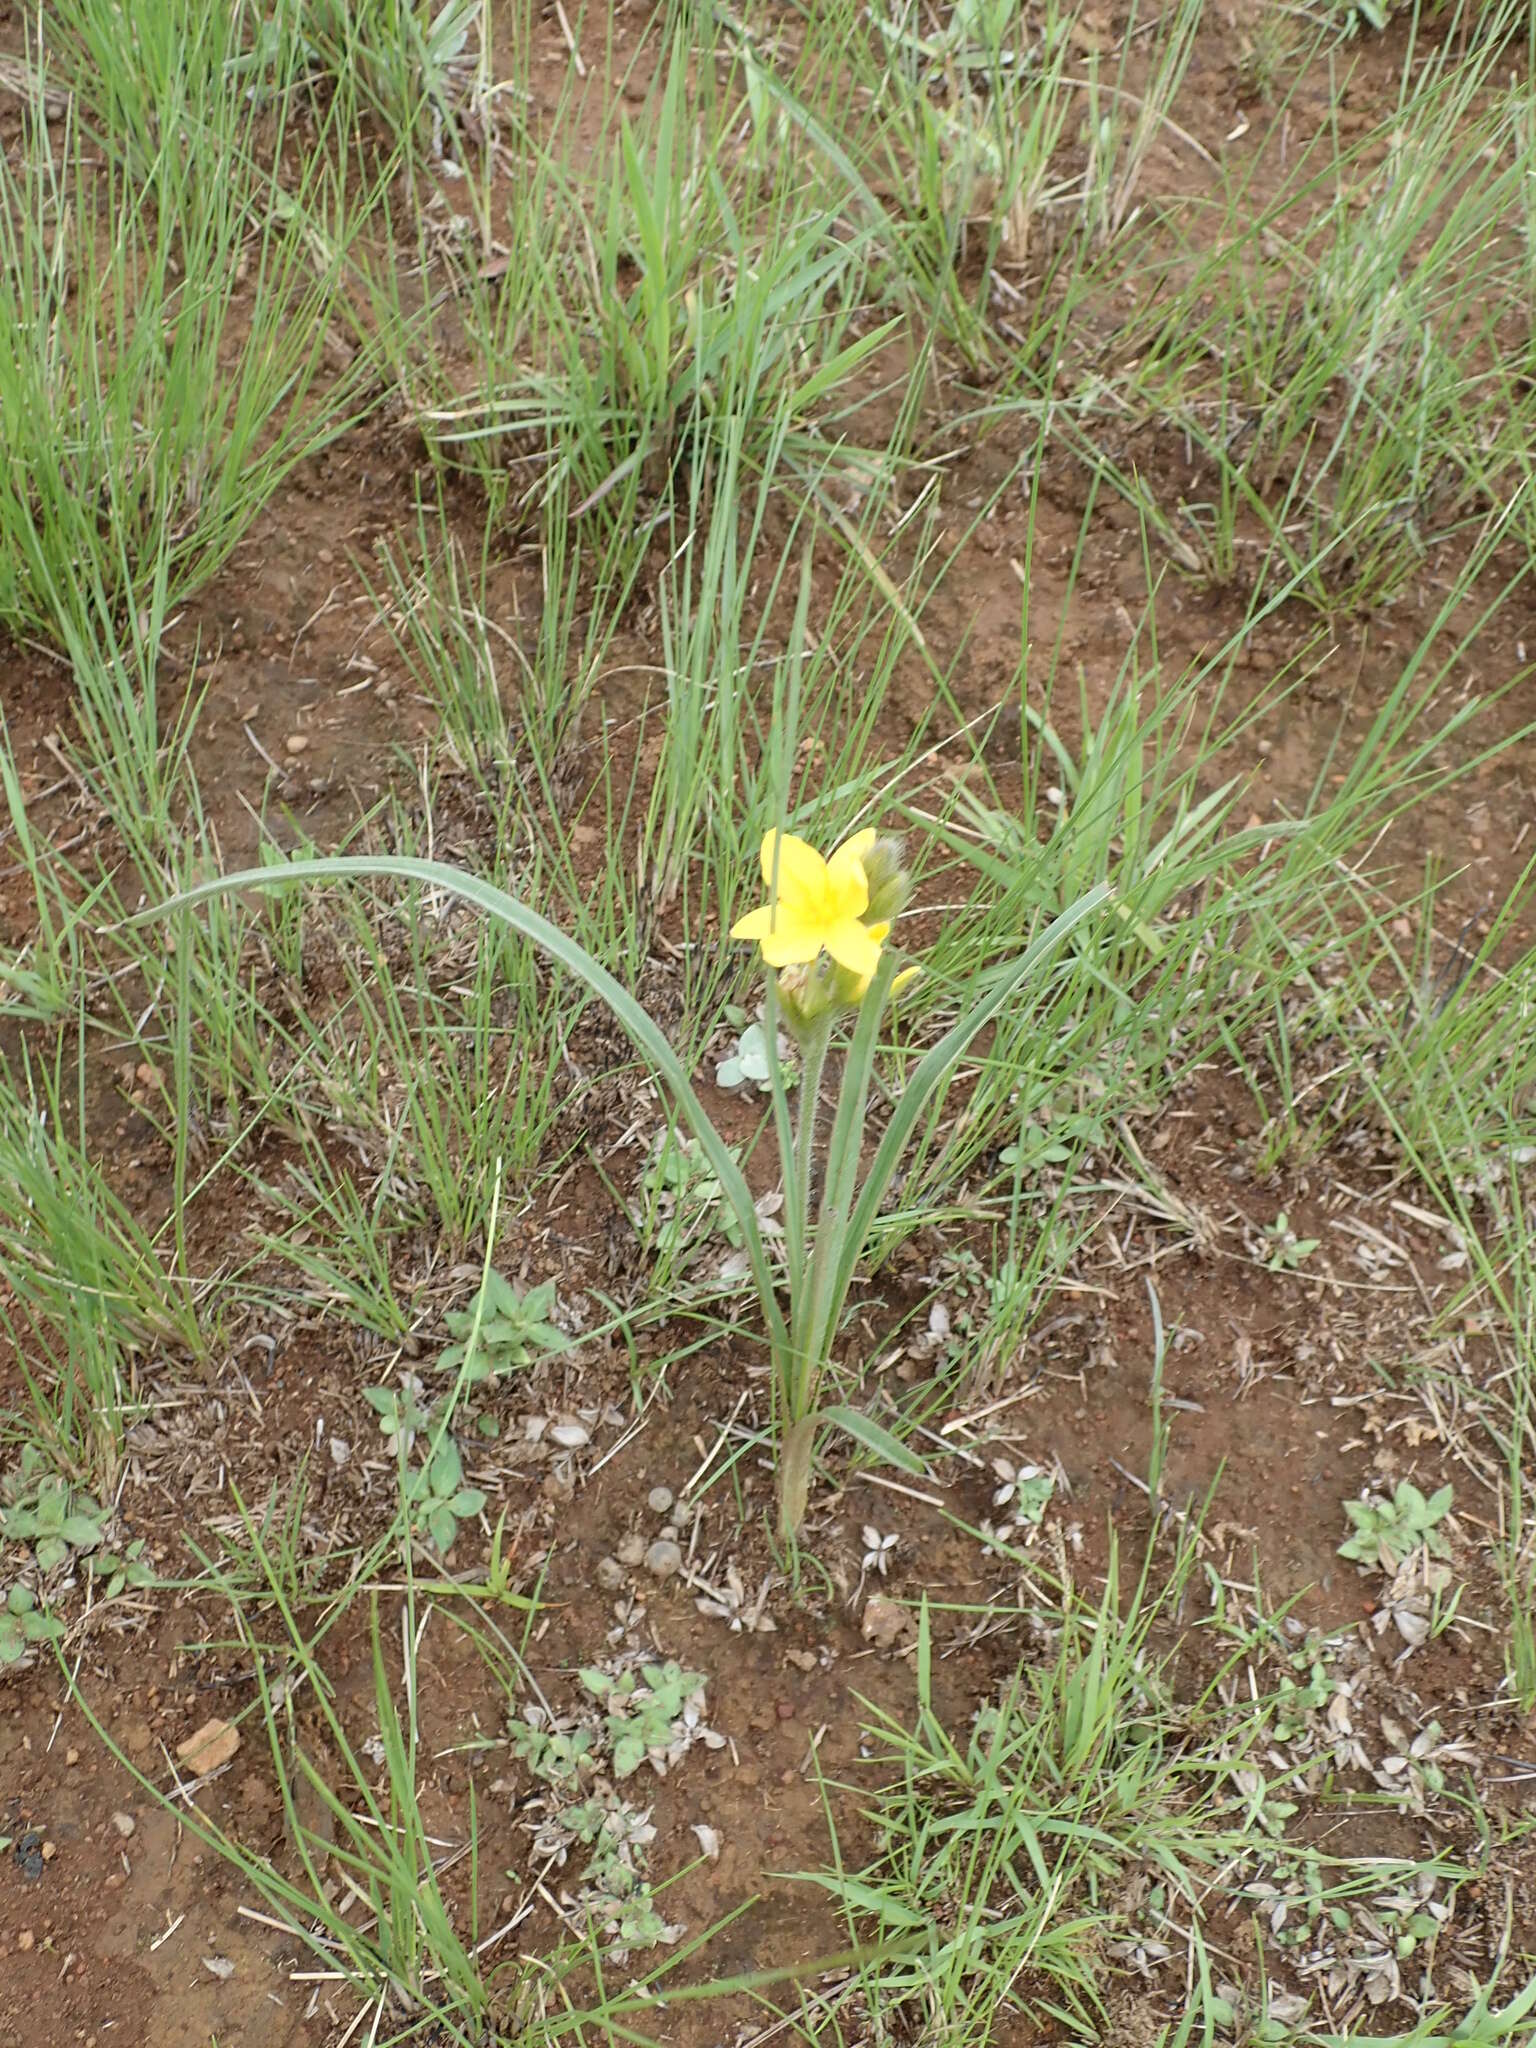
(813, 1064)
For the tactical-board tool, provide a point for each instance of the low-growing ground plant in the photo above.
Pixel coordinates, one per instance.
(437, 1501)
(586, 1762)
(53, 1518)
(1389, 1530)
(24, 1626)
(503, 1332)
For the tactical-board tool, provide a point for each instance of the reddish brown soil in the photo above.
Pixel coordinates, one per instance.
(1287, 1392)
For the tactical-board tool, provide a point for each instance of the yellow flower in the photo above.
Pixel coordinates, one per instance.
(860, 988)
(817, 906)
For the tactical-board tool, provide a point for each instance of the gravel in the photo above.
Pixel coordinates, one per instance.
(664, 1558)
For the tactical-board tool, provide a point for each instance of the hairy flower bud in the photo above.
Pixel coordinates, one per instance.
(890, 886)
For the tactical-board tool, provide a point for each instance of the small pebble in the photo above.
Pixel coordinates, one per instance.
(124, 1823)
(668, 1532)
(570, 1436)
(659, 1499)
(611, 1575)
(632, 1550)
(296, 743)
(50, 1850)
(25, 1939)
(71, 1756)
(663, 1559)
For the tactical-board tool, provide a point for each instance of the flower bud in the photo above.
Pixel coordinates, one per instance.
(890, 886)
(806, 994)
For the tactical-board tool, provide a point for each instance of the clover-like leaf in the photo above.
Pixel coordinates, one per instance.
(447, 1468)
(629, 1754)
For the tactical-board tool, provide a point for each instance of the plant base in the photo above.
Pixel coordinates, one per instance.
(795, 1475)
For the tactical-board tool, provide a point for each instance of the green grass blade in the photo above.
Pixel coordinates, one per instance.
(936, 1067)
(864, 1430)
(641, 1028)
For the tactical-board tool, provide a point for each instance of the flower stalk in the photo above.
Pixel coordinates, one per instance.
(823, 939)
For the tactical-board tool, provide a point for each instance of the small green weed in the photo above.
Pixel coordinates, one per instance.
(1019, 1500)
(1056, 1139)
(114, 1572)
(23, 1625)
(643, 1710)
(650, 1715)
(1286, 1251)
(749, 1063)
(1389, 1531)
(403, 1413)
(514, 1331)
(614, 1890)
(685, 1204)
(49, 1514)
(437, 1501)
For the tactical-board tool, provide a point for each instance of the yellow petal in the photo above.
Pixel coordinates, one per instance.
(861, 845)
(851, 946)
(791, 943)
(755, 925)
(847, 883)
(903, 980)
(879, 933)
(798, 870)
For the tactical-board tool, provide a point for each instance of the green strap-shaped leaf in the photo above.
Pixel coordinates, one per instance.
(874, 1437)
(794, 1204)
(815, 1319)
(642, 1029)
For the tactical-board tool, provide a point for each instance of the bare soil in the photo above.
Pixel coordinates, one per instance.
(1286, 1392)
